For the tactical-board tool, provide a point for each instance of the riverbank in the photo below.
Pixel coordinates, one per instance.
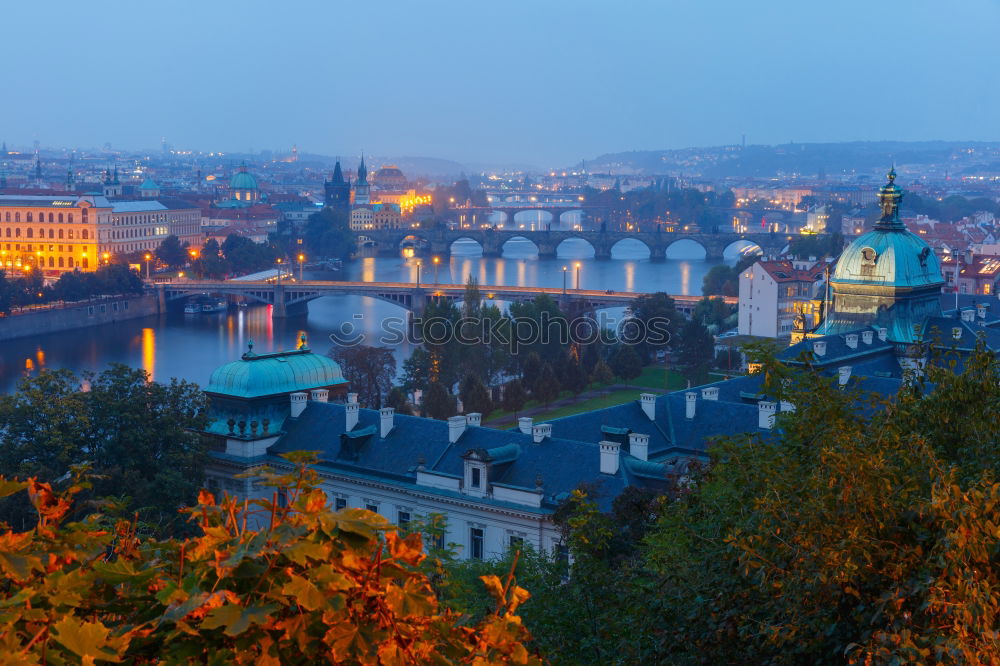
(83, 314)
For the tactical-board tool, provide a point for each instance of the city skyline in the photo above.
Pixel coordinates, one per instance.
(541, 88)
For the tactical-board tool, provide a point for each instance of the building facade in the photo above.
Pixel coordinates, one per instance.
(774, 293)
(53, 234)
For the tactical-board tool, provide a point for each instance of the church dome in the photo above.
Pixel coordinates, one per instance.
(390, 177)
(255, 376)
(890, 255)
(243, 180)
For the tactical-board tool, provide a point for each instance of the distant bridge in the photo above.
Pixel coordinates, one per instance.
(492, 240)
(292, 297)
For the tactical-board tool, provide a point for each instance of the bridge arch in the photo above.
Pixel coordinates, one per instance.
(739, 248)
(541, 218)
(520, 247)
(630, 248)
(465, 246)
(686, 248)
(575, 247)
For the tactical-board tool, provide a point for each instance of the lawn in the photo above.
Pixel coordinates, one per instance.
(600, 402)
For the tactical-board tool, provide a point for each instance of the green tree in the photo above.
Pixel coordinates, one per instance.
(514, 396)
(695, 348)
(370, 371)
(625, 362)
(210, 262)
(475, 396)
(437, 402)
(602, 374)
(546, 386)
(171, 252)
(398, 400)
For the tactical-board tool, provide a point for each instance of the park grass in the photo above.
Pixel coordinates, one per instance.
(590, 404)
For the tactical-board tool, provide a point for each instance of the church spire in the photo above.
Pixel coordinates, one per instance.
(338, 175)
(889, 197)
(362, 172)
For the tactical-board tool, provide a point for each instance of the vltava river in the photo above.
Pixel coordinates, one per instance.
(191, 346)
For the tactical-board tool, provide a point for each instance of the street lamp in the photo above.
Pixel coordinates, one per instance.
(437, 260)
(301, 258)
(147, 258)
(418, 275)
(578, 276)
(279, 270)
(107, 258)
(564, 280)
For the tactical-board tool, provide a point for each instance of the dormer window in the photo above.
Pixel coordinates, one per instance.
(476, 479)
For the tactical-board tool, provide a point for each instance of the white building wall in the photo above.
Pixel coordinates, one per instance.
(758, 304)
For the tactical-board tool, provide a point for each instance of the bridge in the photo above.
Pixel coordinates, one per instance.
(290, 298)
(475, 216)
(492, 240)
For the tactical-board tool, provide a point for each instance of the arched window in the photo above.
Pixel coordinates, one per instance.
(86, 234)
(70, 218)
(60, 234)
(31, 233)
(52, 217)
(17, 217)
(30, 218)
(62, 264)
(52, 261)
(17, 232)
(69, 262)
(52, 233)
(85, 264)
(71, 234)
(60, 217)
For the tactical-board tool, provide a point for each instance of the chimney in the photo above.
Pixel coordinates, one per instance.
(540, 432)
(866, 337)
(298, 403)
(474, 419)
(351, 412)
(524, 424)
(352, 397)
(981, 310)
(968, 315)
(710, 393)
(456, 426)
(956, 332)
(852, 340)
(319, 395)
(638, 445)
(765, 414)
(819, 347)
(690, 404)
(844, 375)
(609, 457)
(387, 417)
(648, 401)
(883, 334)
(787, 406)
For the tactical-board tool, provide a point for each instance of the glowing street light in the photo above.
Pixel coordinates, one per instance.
(437, 260)
(301, 259)
(418, 275)
(147, 257)
(564, 280)
(578, 276)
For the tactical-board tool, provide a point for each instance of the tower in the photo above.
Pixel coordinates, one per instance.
(112, 186)
(337, 191)
(38, 171)
(362, 191)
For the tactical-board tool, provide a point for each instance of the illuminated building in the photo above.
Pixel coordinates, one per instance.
(390, 178)
(243, 189)
(377, 216)
(53, 233)
(362, 190)
(144, 224)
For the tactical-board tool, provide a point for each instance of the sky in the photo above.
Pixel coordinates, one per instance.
(544, 83)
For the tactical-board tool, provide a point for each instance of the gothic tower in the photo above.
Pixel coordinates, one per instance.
(337, 191)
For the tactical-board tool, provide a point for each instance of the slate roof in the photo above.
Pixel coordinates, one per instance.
(562, 464)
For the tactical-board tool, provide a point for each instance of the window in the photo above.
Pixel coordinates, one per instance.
(62, 265)
(403, 519)
(339, 503)
(372, 507)
(70, 218)
(69, 264)
(86, 264)
(52, 218)
(52, 261)
(17, 217)
(476, 477)
(86, 234)
(60, 234)
(30, 233)
(30, 219)
(436, 540)
(476, 539)
(60, 217)
(52, 233)
(282, 497)
(71, 233)
(516, 542)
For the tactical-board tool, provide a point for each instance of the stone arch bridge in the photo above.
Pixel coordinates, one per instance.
(492, 240)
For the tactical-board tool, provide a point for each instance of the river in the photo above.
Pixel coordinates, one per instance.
(191, 346)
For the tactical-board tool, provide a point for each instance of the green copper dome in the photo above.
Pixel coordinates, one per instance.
(254, 376)
(243, 180)
(890, 255)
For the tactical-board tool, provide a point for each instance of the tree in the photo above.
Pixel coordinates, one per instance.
(574, 376)
(245, 256)
(625, 362)
(546, 386)
(416, 370)
(370, 371)
(659, 319)
(514, 396)
(437, 402)
(602, 374)
(328, 234)
(210, 262)
(475, 396)
(136, 434)
(695, 349)
(172, 252)
(299, 583)
(398, 400)
(712, 312)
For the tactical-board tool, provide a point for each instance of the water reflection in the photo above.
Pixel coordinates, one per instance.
(191, 346)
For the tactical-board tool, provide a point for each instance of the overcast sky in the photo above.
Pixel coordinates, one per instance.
(543, 82)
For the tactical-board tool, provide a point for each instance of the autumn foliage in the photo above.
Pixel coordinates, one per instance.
(308, 586)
